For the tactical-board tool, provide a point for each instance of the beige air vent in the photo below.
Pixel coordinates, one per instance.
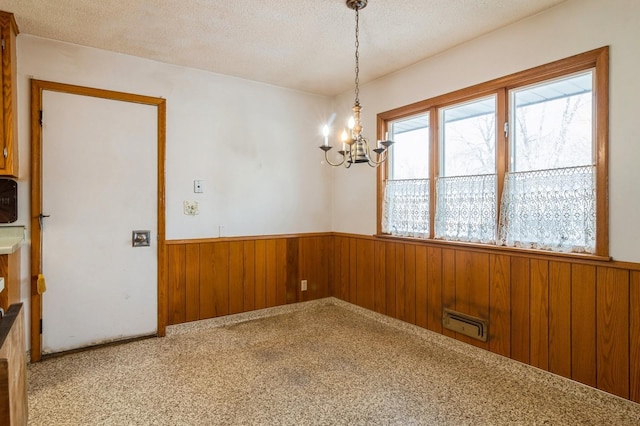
(476, 328)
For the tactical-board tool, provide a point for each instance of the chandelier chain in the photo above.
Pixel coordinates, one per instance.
(357, 80)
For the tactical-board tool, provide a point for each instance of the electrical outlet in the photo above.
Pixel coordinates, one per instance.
(190, 208)
(197, 187)
(303, 285)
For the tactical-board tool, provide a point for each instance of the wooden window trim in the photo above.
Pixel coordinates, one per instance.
(598, 59)
(493, 248)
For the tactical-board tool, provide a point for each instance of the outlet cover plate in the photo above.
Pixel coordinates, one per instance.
(190, 208)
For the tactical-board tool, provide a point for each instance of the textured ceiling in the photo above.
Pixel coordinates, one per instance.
(301, 44)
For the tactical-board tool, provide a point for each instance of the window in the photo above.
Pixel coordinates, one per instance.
(519, 161)
(549, 196)
(406, 205)
(466, 185)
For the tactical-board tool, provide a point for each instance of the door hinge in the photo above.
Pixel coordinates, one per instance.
(40, 325)
(506, 129)
(40, 118)
(5, 152)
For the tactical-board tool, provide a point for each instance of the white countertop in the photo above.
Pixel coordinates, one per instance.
(11, 238)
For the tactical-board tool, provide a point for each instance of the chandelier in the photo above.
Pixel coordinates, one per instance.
(355, 147)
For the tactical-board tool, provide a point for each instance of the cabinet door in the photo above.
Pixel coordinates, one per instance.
(4, 83)
(9, 124)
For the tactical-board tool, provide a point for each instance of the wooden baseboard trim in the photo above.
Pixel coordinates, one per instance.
(98, 346)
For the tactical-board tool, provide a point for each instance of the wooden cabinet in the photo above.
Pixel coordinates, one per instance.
(13, 368)
(8, 120)
(10, 270)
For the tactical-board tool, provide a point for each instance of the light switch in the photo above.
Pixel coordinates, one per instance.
(197, 186)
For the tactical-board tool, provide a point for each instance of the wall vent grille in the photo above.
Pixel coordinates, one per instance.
(474, 327)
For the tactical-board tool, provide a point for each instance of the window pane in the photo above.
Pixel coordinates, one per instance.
(468, 144)
(405, 206)
(409, 158)
(552, 124)
(466, 186)
(549, 196)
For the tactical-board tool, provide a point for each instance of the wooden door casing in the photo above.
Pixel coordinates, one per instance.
(37, 88)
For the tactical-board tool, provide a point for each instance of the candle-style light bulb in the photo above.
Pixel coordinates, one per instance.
(325, 133)
(345, 136)
(352, 123)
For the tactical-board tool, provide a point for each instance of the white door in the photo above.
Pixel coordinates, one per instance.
(99, 183)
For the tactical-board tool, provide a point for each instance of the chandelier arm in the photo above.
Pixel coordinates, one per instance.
(326, 158)
(380, 161)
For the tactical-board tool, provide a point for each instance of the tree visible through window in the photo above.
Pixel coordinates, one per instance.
(553, 124)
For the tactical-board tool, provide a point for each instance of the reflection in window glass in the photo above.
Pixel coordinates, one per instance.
(410, 154)
(468, 144)
(553, 124)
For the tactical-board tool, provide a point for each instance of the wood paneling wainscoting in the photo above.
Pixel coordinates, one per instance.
(578, 318)
(211, 278)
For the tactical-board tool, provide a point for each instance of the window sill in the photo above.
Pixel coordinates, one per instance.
(494, 248)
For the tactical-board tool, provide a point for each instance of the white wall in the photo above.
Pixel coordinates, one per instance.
(568, 29)
(253, 145)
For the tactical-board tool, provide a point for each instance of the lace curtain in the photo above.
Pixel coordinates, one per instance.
(550, 209)
(466, 208)
(405, 209)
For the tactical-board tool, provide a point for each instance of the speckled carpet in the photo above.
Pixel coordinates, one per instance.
(318, 363)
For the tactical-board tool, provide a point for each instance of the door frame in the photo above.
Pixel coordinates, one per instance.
(37, 89)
